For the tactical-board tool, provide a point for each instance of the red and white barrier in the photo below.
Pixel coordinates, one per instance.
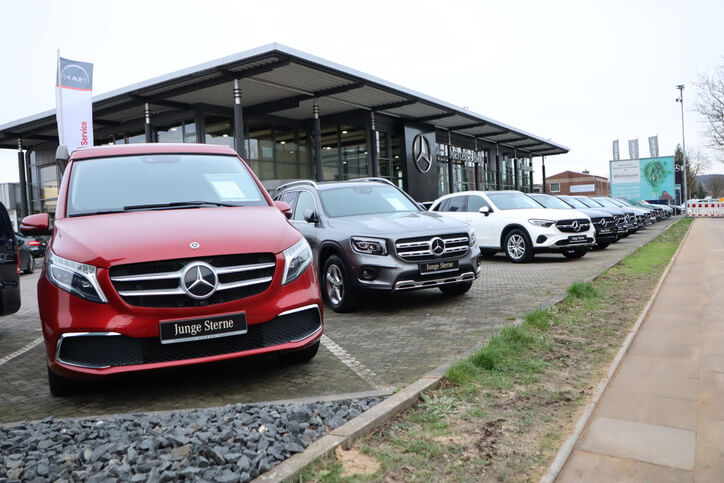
(705, 208)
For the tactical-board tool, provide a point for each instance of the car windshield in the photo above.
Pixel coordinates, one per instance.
(607, 202)
(513, 201)
(369, 199)
(160, 181)
(551, 202)
(588, 202)
(573, 202)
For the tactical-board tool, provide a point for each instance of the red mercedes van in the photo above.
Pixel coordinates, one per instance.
(164, 255)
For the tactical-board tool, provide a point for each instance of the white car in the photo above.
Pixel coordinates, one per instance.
(512, 222)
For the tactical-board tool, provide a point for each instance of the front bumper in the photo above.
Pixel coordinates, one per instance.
(90, 339)
(391, 273)
(551, 239)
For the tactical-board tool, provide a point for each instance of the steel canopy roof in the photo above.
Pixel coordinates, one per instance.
(281, 81)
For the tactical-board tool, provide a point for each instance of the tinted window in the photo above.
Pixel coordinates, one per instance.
(443, 205)
(589, 202)
(605, 202)
(573, 202)
(513, 201)
(6, 227)
(457, 203)
(475, 203)
(365, 200)
(288, 198)
(109, 184)
(304, 202)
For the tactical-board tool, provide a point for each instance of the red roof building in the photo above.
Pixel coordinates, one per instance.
(573, 183)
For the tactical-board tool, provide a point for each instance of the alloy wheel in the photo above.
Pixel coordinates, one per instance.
(516, 246)
(334, 284)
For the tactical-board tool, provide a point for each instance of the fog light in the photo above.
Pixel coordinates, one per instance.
(541, 239)
(368, 274)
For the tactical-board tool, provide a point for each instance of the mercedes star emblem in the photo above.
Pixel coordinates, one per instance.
(575, 226)
(194, 245)
(199, 280)
(421, 153)
(437, 246)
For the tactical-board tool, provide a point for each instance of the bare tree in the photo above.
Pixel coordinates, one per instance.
(697, 162)
(710, 104)
(715, 186)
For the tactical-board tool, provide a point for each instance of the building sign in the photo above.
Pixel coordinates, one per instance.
(583, 188)
(643, 179)
(420, 154)
(74, 103)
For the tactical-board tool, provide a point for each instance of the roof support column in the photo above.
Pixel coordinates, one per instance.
(498, 169)
(317, 128)
(374, 147)
(476, 165)
(149, 128)
(28, 181)
(450, 170)
(530, 173)
(239, 142)
(516, 171)
(543, 172)
(200, 125)
(23, 184)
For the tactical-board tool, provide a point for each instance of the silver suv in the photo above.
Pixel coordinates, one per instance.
(369, 234)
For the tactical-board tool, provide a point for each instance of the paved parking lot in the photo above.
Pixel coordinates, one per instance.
(390, 341)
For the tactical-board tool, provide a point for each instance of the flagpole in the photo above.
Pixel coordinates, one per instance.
(59, 107)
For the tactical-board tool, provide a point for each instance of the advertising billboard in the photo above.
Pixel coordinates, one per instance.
(643, 179)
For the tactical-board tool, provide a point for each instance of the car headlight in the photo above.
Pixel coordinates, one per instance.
(537, 222)
(296, 260)
(473, 238)
(369, 246)
(74, 277)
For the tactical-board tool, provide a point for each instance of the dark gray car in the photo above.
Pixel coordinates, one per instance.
(369, 234)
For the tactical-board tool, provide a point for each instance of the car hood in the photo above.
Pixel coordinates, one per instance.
(392, 224)
(141, 236)
(555, 214)
(594, 212)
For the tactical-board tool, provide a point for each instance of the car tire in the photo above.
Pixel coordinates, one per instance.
(517, 246)
(574, 253)
(336, 286)
(456, 289)
(59, 385)
(31, 265)
(301, 356)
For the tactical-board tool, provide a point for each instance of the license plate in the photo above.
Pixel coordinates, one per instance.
(438, 267)
(202, 328)
(577, 238)
(605, 231)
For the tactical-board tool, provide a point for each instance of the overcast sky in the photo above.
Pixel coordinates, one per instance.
(581, 73)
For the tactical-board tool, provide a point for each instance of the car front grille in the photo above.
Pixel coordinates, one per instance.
(112, 350)
(421, 249)
(603, 221)
(160, 283)
(569, 226)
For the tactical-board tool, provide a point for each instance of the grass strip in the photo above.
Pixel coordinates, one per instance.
(502, 413)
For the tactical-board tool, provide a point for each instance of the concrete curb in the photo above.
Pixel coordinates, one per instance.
(567, 448)
(358, 427)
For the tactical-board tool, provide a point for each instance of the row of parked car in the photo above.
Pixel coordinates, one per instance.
(164, 255)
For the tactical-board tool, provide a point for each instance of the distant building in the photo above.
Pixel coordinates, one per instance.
(573, 183)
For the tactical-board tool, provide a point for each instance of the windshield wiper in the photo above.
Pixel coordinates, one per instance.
(175, 204)
(98, 212)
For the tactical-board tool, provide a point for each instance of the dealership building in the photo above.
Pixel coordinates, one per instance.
(573, 183)
(291, 115)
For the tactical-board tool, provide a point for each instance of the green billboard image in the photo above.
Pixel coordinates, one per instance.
(643, 179)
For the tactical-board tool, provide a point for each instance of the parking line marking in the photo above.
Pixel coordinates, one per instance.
(356, 366)
(21, 351)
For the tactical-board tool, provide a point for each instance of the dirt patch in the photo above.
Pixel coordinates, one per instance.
(355, 463)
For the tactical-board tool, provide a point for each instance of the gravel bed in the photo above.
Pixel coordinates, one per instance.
(228, 444)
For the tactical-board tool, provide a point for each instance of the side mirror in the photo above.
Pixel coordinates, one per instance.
(33, 225)
(484, 210)
(310, 216)
(284, 208)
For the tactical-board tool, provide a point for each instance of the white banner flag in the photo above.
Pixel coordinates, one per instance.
(74, 104)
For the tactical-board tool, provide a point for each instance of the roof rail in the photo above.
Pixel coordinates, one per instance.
(373, 178)
(294, 183)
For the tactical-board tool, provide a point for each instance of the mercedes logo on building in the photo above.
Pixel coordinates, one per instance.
(437, 246)
(199, 280)
(421, 153)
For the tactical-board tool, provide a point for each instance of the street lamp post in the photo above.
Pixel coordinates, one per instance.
(683, 143)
